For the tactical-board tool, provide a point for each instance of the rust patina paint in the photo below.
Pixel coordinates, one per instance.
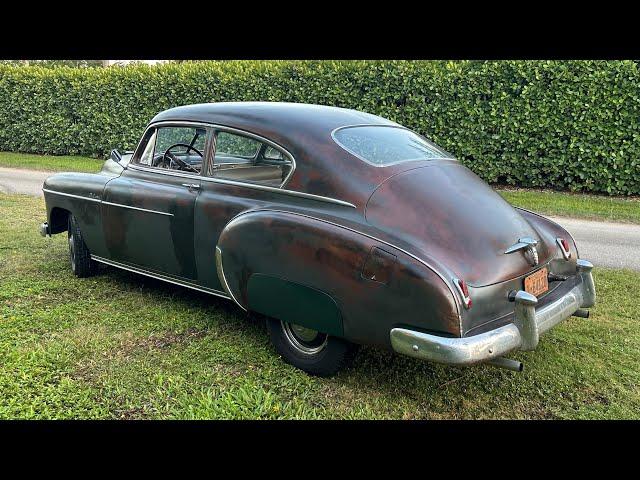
(435, 217)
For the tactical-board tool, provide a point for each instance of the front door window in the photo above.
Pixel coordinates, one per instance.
(174, 148)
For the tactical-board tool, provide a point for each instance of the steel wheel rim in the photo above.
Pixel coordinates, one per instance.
(305, 340)
(72, 252)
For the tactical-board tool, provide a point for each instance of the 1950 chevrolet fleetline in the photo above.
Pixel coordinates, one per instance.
(338, 227)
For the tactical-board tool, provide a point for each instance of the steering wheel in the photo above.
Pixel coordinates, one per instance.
(177, 160)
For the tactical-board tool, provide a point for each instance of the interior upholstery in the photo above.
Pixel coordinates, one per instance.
(270, 175)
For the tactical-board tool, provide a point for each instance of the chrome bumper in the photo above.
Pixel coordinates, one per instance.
(44, 229)
(523, 334)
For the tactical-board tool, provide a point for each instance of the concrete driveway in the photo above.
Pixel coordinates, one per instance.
(615, 245)
(14, 180)
(605, 244)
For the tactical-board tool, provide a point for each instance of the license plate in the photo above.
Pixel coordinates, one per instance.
(537, 283)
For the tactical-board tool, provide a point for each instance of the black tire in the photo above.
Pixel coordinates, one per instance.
(323, 356)
(79, 256)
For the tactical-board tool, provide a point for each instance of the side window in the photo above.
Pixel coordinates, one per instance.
(147, 155)
(174, 148)
(245, 159)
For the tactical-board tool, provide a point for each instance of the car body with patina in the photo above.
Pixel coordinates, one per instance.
(339, 227)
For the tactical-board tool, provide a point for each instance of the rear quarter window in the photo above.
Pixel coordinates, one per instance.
(383, 145)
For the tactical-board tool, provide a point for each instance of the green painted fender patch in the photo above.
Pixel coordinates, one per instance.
(294, 303)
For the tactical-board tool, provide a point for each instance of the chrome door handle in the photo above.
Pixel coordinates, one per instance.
(191, 186)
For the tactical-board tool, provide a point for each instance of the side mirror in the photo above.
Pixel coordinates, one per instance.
(116, 156)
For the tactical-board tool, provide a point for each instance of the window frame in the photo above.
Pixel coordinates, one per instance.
(135, 158)
(447, 155)
(254, 186)
(265, 142)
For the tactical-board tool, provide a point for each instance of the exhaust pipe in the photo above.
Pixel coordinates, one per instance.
(582, 313)
(508, 363)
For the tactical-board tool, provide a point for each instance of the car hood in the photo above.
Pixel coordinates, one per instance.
(446, 212)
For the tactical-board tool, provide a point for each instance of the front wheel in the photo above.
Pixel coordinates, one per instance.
(79, 255)
(309, 350)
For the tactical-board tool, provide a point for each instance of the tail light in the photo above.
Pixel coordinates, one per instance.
(564, 247)
(463, 290)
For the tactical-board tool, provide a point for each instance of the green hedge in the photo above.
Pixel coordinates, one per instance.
(557, 124)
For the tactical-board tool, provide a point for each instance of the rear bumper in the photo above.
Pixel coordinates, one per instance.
(523, 334)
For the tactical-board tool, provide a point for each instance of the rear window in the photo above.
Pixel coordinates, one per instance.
(386, 145)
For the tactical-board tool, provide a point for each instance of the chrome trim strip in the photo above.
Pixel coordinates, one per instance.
(418, 259)
(402, 127)
(265, 188)
(223, 279)
(72, 196)
(566, 254)
(137, 208)
(146, 273)
(97, 200)
(522, 334)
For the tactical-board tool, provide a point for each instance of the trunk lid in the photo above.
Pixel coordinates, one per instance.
(447, 212)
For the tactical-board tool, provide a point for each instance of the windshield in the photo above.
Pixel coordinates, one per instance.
(382, 145)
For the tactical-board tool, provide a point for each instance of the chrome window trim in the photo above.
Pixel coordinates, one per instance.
(215, 126)
(254, 186)
(456, 300)
(164, 278)
(333, 132)
(164, 171)
(137, 208)
(97, 200)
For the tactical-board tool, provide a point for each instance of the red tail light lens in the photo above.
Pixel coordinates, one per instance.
(564, 246)
(464, 292)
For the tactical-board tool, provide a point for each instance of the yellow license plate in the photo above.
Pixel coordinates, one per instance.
(537, 283)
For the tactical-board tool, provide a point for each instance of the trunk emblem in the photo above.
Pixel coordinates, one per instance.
(528, 246)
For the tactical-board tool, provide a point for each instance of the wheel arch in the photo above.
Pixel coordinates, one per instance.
(58, 220)
(305, 256)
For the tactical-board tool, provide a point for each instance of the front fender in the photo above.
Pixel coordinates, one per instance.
(79, 194)
(373, 285)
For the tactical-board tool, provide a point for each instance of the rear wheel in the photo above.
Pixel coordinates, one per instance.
(79, 255)
(309, 350)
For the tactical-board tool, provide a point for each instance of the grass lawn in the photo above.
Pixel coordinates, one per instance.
(595, 207)
(49, 162)
(119, 345)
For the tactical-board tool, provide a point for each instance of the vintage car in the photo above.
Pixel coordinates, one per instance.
(338, 227)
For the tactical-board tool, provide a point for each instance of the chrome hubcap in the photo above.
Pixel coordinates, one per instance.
(305, 340)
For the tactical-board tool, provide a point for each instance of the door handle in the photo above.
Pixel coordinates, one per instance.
(191, 186)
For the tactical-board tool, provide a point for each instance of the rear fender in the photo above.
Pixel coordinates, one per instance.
(320, 275)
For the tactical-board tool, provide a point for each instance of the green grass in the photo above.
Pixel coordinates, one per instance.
(49, 162)
(594, 207)
(119, 345)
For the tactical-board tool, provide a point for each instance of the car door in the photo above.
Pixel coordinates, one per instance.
(148, 212)
(241, 173)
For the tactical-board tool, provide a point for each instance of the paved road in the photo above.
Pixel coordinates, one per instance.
(14, 180)
(615, 245)
(605, 244)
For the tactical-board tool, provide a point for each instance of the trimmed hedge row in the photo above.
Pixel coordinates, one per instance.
(556, 124)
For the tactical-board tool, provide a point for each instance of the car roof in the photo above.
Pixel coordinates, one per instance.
(275, 116)
(304, 130)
